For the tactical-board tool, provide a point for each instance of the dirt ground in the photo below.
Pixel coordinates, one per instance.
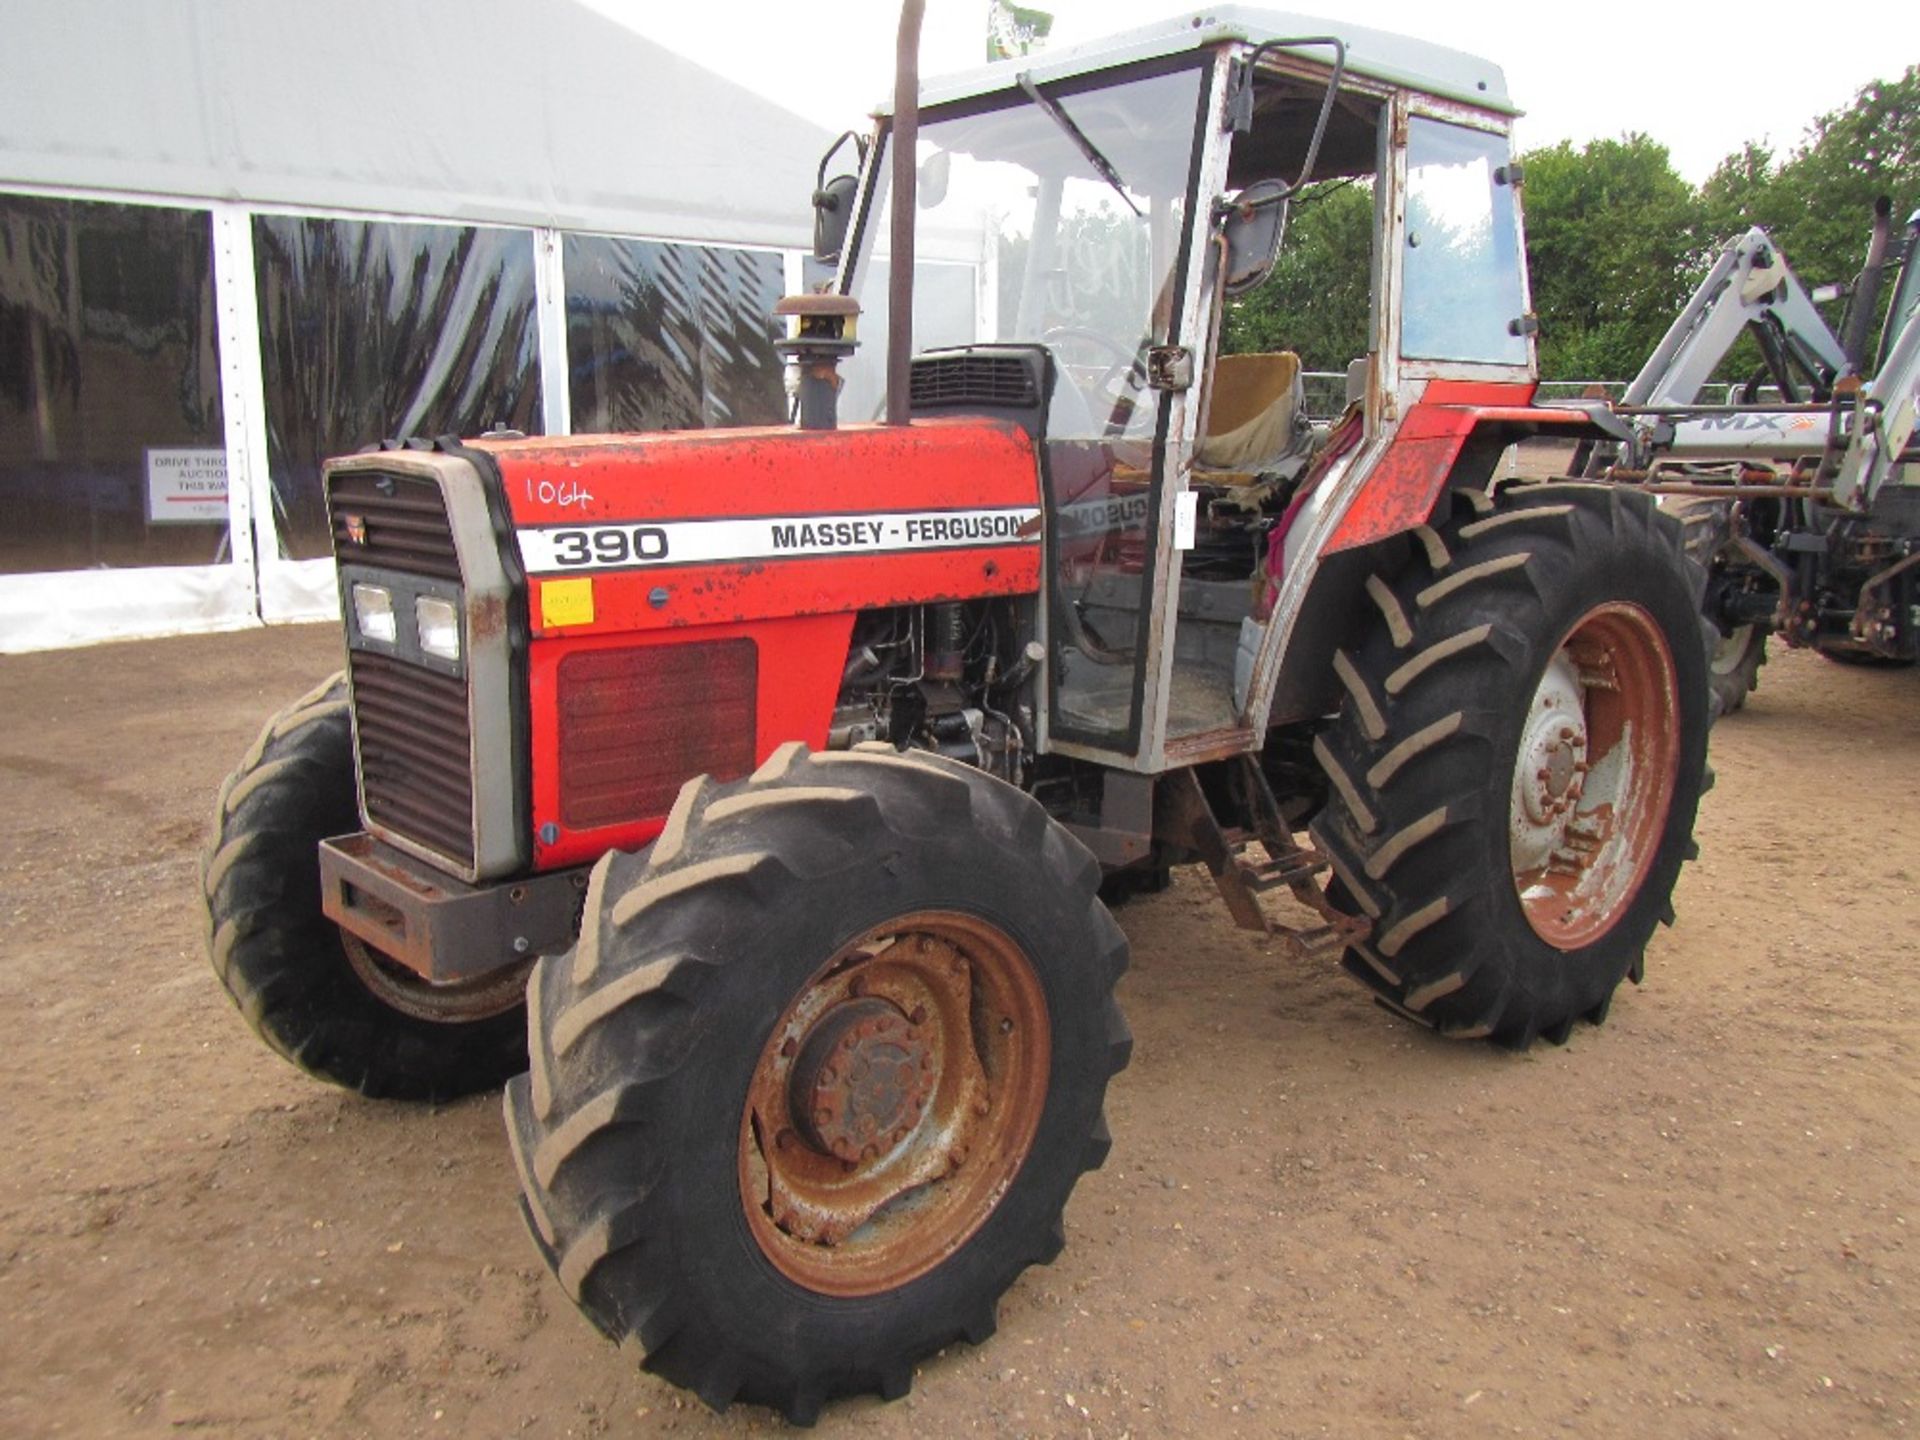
(1317, 1220)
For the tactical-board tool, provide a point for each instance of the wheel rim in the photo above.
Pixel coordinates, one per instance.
(454, 1002)
(893, 1103)
(1593, 781)
(1731, 650)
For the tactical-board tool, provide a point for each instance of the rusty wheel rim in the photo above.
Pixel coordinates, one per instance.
(1593, 780)
(453, 1002)
(894, 1103)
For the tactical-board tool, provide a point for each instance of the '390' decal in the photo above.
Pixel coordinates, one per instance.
(607, 545)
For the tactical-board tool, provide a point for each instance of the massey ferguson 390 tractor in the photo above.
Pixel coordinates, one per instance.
(759, 786)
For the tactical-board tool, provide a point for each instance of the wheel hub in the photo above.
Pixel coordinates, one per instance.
(893, 1103)
(1594, 774)
(1731, 649)
(1551, 771)
(861, 1080)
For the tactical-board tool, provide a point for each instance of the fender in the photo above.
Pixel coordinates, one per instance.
(1406, 483)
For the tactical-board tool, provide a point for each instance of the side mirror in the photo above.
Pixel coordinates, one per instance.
(832, 215)
(833, 201)
(1254, 222)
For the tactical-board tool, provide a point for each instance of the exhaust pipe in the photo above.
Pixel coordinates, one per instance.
(1866, 290)
(906, 135)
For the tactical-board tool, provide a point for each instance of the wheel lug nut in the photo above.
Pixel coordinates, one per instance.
(919, 1016)
(788, 1048)
(982, 1105)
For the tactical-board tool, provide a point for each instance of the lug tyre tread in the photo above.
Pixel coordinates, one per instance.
(1417, 832)
(653, 1006)
(280, 959)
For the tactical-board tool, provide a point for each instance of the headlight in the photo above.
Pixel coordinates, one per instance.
(438, 625)
(373, 613)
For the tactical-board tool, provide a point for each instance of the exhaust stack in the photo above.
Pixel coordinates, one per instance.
(906, 135)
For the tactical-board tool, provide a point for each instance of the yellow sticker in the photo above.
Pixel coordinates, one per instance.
(566, 602)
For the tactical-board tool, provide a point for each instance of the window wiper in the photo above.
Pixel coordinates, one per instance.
(1090, 150)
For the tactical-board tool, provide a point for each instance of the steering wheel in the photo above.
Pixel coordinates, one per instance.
(1125, 378)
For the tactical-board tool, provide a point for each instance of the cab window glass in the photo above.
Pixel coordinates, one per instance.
(1462, 258)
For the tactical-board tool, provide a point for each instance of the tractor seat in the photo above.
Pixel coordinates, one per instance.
(1251, 412)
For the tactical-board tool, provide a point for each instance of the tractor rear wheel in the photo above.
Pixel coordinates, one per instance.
(1517, 762)
(816, 1082)
(334, 1006)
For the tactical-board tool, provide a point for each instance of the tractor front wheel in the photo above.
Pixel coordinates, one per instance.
(1516, 765)
(335, 1007)
(816, 1082)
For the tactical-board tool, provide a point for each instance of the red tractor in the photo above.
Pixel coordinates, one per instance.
(759, 787)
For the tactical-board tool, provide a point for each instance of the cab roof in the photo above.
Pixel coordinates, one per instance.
(1396, 59)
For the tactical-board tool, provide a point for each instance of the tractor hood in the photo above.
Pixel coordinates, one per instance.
(647, 532)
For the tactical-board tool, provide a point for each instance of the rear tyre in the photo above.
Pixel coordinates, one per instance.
(1518, 759)
(816, 1082)
(335, 1007)
(1734, 656)
(1733, 666)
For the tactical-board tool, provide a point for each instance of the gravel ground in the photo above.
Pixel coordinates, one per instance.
(1317, 1220)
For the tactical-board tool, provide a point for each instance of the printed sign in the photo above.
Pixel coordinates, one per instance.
(186, 487)
(561, 549)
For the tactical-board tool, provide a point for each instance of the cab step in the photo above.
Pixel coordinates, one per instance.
(1249, 859)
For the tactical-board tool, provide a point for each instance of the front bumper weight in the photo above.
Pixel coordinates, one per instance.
(440, 927)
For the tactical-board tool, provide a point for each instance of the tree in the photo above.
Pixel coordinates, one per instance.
(1818, 201)
(1316, 301)
(1612, 241)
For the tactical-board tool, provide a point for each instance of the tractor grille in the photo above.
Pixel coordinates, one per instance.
(416, 761)
(970, 379)
(636, 724)
(392, 522)
(410, 722)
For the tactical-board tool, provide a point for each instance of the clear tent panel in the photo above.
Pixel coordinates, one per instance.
(372, 330)
(665, 336)
(112, 446)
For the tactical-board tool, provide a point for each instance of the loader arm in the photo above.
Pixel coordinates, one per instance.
(1853, 431)
(1751, 287)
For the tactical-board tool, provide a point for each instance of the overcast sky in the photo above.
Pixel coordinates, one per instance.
(1700, 78)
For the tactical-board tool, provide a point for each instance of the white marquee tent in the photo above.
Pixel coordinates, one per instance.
(241, 236)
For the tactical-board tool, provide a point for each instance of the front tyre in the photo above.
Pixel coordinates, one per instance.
(1517, 763)
(332, 1005)
(819, 1077)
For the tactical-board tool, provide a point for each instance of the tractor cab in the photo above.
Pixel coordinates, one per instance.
(1109, 203)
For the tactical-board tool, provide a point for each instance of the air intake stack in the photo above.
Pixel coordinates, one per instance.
(820, 334)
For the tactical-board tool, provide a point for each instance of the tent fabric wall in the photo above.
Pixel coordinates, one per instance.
(510, 112)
